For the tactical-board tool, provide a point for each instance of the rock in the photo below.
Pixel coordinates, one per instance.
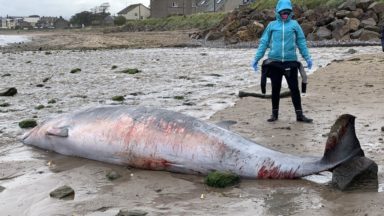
(356, 34)
(112, 175)
(64, 192)
(2, 189)
(336, 24)
(382, 129)
(231, 27)
(372, 28)
(323, 33)
(358, 13)
(244, 35)
(8, 92)
(118, 98)
(363, 4)
(343, 13)
(325, 21)
(244, 22)
(339, 31)
(75, 70)
(213, 35)
(28, 123)
(6, 75)
(368, 22)
(354, 24)
(124, 212)
(370, 14)
(130, 71)
(357, 173)
(377, 7)
(310, 15)
(369, 35)
(351, 51)
(307, 27)
(256, 28)
(348, 5)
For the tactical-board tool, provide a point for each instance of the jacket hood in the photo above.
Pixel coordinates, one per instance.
(283, 5)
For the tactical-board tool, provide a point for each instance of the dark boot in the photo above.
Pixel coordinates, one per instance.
(300, 117)
(274, 116)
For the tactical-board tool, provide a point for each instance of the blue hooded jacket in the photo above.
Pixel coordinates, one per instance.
(282, 37)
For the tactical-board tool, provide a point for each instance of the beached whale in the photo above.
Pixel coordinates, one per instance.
(159, 139)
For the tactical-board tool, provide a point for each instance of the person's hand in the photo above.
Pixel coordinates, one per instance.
(309, 64)
(254, 65)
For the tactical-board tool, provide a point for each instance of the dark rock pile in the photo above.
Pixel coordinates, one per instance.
(352, 20)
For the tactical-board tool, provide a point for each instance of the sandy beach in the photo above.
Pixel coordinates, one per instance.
(209, 84)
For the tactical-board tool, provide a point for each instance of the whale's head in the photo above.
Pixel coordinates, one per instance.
(46, 134)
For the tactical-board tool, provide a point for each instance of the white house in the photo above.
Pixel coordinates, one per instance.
(135, 12)
(32, 20)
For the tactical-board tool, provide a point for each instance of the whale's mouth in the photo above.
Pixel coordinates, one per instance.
(27, 134)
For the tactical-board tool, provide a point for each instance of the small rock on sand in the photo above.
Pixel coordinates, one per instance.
(63, 192)
(8, 91)
(125, 212)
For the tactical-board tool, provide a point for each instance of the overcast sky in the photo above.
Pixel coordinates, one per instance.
(64, 8)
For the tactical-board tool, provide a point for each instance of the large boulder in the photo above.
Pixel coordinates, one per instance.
(357, 34)
(323, 33)
(354, 24)
(231, 27)
(369, 35)
(213, 35)
(339, 31)
(363, 4)
(348, 5)
(377, 7)
(370, 14)
(372, 28)
(307, 27)
(336, 24)
(256, 28)
(368, 22)
(325, 21)
(342, 13)
(358, 13)
(244, 35)
(310, 15)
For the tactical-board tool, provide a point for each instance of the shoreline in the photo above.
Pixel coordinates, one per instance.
(98, 40)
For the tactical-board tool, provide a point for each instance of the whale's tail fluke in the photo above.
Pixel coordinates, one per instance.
(342, 143)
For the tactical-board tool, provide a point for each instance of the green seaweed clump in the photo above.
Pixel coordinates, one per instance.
(178, 97)
(39, 107)
(131, 71)
(118, 98)
(75, 70)
(114, 67)
(221, 179)
(52, 101)
(28, 123)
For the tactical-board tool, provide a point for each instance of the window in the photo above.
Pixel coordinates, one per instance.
(135, 14)
(174, 4)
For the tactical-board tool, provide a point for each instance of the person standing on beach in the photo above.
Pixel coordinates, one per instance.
(282, 36)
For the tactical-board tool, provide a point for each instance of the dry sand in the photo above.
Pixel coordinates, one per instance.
(355, 87)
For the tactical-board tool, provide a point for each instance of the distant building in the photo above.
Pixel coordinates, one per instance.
(32, 20)
(60, 23)
(3, 23)
(135, 12)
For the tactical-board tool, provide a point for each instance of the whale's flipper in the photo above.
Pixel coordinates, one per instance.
(342, 143)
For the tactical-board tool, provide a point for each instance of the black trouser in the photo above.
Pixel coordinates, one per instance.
(289, 70)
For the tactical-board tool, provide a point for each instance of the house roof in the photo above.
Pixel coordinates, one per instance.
(129, 8)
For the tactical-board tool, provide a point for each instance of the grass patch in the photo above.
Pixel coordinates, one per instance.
(221, 179)
(118, 98)
(199, 20)
(75, 70)
(28, 123)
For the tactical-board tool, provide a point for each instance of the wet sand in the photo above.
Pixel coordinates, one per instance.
(353, 86)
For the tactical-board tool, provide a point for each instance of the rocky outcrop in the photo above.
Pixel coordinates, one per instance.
(352, 20)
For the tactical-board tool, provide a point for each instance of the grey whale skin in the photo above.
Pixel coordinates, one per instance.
(158, 139)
